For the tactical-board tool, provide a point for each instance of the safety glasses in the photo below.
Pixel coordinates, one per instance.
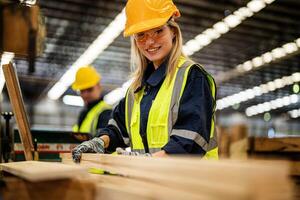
(155, 34)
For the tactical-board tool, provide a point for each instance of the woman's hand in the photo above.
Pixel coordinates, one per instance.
(161, 153)
(96, 145)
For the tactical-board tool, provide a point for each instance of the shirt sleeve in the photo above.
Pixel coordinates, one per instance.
(116, 130)
(194, 115)
(103, 118)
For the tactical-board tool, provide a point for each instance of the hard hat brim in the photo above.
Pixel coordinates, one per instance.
(145, 26)
(85, 86)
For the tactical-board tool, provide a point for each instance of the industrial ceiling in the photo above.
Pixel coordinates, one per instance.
(72, 25)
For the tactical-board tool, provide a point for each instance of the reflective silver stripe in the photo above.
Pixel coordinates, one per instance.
(130, 102)
(197, 138)
(151, 150)
(174, 106)
(114, 123)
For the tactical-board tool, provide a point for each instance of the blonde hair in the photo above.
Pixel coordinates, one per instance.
(139, 62)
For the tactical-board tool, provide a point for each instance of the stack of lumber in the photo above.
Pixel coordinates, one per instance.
(228, 136)
(167, 178)
(284, 148)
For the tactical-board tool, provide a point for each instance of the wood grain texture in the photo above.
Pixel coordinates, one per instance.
(286, 144)
(210, 179)
(66, 189)
(39, 171)
(16, 100)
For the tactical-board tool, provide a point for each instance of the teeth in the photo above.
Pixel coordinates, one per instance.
(154, 49)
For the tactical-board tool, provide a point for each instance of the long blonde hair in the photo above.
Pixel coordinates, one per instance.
(139, 62)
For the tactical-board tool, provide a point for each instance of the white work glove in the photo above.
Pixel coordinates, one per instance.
(96, 145)
(121, 151)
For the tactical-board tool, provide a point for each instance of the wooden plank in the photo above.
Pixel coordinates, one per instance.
(16, 99)
(286, 144)
(65, 189)
(39, 171)
(116, 187)
(213, 179)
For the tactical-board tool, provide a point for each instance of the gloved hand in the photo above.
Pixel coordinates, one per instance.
(96, 145)
(121, 151)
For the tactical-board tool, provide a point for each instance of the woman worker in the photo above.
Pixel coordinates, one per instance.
(169, 108)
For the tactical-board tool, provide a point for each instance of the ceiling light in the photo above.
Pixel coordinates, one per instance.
(73, 100)
(258, 61)
(117, 94)
(267, 57)
(290, 47)
(232, 20)
(294, 113)
(262, 89)
(257, 91)
(5, 59)
(203, 39)
(286, 101)
(269, 1)
(296, 77)
(243, 12)
(256, 5)
(224, 25)
(247, 65)
(278, 52)
(111, 32)
(212, 33)
(240, 68)
(221, 27)
(274, 104)
(298, 42)
(271, 86)
(193, 45)
(294, 98)
(287, 80)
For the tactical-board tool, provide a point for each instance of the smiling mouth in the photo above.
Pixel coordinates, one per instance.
(152, 50)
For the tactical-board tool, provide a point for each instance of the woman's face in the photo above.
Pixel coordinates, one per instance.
(155, 44)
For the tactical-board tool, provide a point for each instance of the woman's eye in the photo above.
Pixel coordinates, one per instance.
(159, 31)
(140, 35)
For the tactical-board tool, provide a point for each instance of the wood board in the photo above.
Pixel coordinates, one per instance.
(64, 189)
(209, 179)
(40, 171)
(16, 100)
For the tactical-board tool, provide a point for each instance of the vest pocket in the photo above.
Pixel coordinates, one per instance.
(158, 136)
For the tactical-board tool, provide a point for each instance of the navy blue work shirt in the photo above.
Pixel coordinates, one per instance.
(195, 111)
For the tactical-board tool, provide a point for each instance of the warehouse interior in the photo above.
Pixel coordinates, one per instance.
(250, 47)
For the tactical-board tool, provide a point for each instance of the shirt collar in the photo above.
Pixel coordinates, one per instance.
(153, 77)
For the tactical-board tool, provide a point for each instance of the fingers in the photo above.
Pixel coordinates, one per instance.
(121, 151)
(76, 156)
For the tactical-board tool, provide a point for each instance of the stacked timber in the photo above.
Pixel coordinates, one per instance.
(261, 148)
(162, 178)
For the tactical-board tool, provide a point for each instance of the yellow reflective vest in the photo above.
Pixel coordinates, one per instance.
(164, 112)
(89, 124)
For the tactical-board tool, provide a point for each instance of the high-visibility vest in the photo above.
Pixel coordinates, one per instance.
(164, 112)
(89, 124)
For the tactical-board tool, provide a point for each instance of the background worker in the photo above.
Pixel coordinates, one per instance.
(96, 112)
(170, 106)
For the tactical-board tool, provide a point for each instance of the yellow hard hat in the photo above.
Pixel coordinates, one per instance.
(143, 15)
(86, 77)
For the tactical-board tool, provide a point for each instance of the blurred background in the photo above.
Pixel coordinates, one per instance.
(250, 47)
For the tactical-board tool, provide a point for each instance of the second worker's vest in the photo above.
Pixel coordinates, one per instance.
(164, 112)
(89, 124)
